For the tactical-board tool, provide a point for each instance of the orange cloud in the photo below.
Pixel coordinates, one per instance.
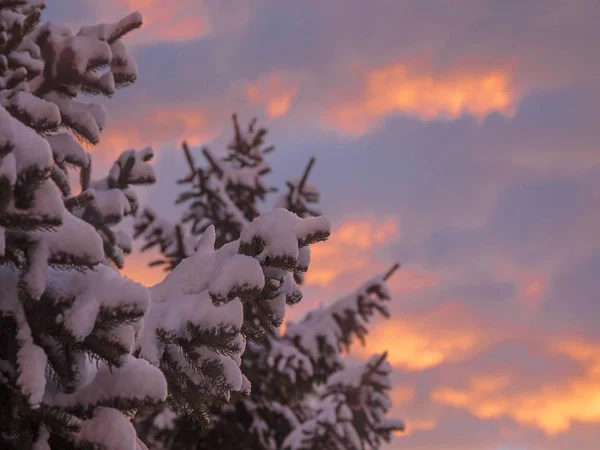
(533, 289)
(350, 250)
(272, 92)
(399, 88)
(422, 341)
(155, 127)
(550, 407)
(175, 20)
(402, 395)
(411, 279)
(532, 284)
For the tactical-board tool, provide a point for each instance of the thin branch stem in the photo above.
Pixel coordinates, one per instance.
(390, 272)
(306, 173)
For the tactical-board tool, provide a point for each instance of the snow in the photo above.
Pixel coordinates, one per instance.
(32, 365)
(304, 258)
(239, 273)
(6, 129)
(47, 203)
(74, 238)
(109, 429)
(123, 65)
(281, 231)
(110, 205)
(85, 119)
(175, 314)
(41, 443)
(165, 419)
(82, 50)
(141, 172)
(292, 290)
(94, 290)
(31, 359)
(66, 148)
(107, 83)
(109, 383)
(23, 58)
(287, 359)
(30, 149)
(41, 112)
(80, 320)
(184, 296)
(113, 31)
(8, 168)
(392, 423)
(232, 375)
(246, 386)
(123, 240)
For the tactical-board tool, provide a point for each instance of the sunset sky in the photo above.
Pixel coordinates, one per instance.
(458, 137)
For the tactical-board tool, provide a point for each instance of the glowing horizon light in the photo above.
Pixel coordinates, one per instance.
(551, 407)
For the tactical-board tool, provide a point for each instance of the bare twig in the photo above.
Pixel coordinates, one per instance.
(390, 272)
(306, 173)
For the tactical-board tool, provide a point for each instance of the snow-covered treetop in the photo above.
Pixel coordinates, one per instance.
(301, 195)
(226, 191)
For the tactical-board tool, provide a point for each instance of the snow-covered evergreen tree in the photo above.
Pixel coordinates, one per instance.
(286, 371)
(83, 349)
(68, 378)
